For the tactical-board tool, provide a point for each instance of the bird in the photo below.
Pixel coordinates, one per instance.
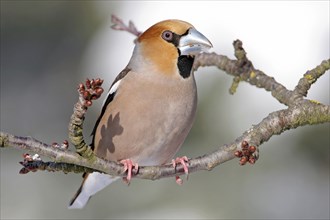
(150, 107)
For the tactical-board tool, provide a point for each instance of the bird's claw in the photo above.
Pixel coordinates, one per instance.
(181, 160)
(178, 180)
(129, 166)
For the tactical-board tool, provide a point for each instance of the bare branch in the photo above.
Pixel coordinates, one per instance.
(58, 155)
(310, 77)
(118, 24)
(274, 124)
(245, 72)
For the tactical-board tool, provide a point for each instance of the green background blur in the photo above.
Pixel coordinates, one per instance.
(48, 47)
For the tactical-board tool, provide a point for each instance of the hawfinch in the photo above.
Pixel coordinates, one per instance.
(151, 104)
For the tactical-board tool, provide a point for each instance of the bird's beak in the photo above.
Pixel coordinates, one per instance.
(193, 43)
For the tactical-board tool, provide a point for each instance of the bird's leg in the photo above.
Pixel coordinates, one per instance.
(129, 165)
(181, 160)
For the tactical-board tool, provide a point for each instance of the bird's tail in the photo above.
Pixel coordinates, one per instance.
(93, 182)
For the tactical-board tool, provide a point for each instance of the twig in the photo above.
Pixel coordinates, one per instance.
(310, 77)
(118, 24)
(87, 93)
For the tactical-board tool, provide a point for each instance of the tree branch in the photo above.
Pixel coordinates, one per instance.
(274, 124)
(300, 112)
(243, 70)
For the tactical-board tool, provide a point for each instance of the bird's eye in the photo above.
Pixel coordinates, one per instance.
(167, 35)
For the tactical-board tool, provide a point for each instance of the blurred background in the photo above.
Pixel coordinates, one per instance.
(48, 47)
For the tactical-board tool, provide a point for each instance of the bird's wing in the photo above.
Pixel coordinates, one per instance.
(111, 94)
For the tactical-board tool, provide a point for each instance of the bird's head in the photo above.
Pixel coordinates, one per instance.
(170, 46)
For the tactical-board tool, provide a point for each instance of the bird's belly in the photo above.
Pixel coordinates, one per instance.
(147, 137)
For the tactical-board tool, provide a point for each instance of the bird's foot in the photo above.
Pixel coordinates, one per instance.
(178, 180)
(129, 166)
(181, 160)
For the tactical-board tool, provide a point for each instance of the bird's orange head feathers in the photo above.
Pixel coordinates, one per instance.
(161, 44)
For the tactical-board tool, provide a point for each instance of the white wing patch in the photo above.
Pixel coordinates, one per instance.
(114, 87)
(112, 90)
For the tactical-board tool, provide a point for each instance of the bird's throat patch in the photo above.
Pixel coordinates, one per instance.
(185, 64)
